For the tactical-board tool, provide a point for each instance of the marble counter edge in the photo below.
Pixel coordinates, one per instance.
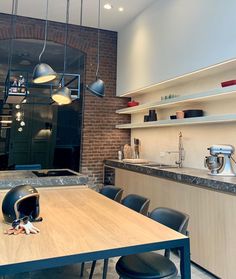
(175, 175)
(79, 179)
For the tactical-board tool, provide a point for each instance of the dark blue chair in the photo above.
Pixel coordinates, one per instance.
(151, 265)
(112, 192)
(137, 203)
(28, 167)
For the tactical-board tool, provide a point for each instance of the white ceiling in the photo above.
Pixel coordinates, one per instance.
(110, 19)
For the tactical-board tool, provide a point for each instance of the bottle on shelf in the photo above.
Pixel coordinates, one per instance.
(120, 155)
(21, 84)
(14, 86)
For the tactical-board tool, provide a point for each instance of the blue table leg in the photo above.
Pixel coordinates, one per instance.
(185, 264)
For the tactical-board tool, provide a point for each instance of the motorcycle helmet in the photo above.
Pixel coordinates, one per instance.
(20, 201)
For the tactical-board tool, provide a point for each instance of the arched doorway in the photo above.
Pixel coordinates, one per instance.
(51, 134)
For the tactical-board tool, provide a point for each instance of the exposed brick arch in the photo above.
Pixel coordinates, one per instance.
(100, 139)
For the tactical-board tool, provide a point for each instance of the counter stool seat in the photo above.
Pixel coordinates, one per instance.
(145, 266)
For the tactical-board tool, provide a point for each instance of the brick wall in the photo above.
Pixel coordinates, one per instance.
(100, 139)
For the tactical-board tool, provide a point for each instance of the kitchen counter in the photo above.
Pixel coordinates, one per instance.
(196, 177)
(9, 179)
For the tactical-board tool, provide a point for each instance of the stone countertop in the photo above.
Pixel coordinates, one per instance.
(196, 177)
(9, 179)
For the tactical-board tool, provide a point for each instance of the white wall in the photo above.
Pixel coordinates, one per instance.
(196, 138)
(171, 38)
(174, 37)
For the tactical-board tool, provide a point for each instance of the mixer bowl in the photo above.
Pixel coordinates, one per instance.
(213, 163)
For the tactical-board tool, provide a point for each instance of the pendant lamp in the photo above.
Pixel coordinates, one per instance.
(63, 94)
(43, 72)
(97, 87)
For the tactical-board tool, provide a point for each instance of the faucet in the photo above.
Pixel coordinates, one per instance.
(136, 148)
(180, 151)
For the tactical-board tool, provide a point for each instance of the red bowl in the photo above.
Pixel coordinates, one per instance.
(228, 83)
(133, 104)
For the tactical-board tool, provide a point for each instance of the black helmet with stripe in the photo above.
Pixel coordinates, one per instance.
(20, 201)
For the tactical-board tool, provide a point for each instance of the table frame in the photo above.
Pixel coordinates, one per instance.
(182, 244)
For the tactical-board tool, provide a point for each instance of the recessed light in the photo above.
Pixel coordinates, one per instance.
(107, 6)
(120, 9)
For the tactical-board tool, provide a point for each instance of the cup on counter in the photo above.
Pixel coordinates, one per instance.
(179, 114)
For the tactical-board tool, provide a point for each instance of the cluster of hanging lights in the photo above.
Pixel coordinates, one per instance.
(43, 73)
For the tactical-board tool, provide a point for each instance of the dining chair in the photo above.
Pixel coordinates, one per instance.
(114, 193)
(139, 204)
(28, 167)
(151, 265)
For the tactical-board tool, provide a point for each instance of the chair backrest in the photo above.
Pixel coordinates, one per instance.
(171, 218)
(28, 167)
(137, 203)
(112, 192)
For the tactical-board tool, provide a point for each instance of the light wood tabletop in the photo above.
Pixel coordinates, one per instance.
(79, 225)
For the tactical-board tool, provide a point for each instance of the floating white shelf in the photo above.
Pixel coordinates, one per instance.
(209, 71)
(196, 97)
(177, 122)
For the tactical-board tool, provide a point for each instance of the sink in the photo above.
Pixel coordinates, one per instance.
(160, 166)
(53, 173)
(135, 161)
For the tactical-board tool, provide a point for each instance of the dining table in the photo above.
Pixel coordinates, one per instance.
(81, 225)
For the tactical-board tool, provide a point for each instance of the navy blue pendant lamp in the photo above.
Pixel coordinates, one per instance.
(43, 72)
(97, 87)
(62, 95)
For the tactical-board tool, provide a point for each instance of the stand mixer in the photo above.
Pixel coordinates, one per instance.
(219, 163)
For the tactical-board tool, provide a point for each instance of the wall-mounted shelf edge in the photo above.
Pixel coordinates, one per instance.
(201, 96)
(211, 70)
(211, 119)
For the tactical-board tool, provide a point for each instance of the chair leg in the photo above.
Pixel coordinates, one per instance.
(92, 269)
(167, 253)
(82, 269)
(105, 266)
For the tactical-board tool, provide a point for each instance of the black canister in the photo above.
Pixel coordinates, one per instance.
(146, 118)
(152, 115)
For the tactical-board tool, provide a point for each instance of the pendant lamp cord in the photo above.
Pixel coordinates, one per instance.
(98, 53)
(62, 81)
(81, 12)
(13, 31)
(45, 33)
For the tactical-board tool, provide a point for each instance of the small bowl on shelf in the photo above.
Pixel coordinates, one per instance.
(189, 113)
(173, 117)
(133, 104)
(180, 114)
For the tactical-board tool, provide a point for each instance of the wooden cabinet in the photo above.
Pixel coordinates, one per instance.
(212, 223)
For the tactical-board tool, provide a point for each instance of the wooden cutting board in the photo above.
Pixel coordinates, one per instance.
(128, 152)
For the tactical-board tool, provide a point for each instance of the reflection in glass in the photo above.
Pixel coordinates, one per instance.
(40, 132)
